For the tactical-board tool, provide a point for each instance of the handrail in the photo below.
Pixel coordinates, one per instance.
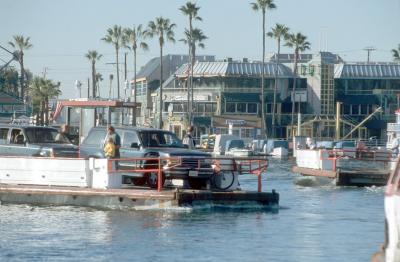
(254, 166)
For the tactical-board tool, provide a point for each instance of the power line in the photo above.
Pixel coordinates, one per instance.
(369, 49)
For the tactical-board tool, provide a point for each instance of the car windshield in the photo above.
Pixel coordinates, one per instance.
(159, 139)
(45, 135)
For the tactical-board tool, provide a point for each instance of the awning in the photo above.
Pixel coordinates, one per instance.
(202, 121)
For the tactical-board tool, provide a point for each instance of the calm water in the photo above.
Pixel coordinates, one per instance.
(314, 223)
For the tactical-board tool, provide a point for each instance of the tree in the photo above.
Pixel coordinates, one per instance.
(278, 32)
(133, 39)
(9, 81)
(299, 43)
(396, 54)
(41, 90)
(196, 38)
(163, 29)
(190, 10)
(263, 5)
(21, 43)
(93, 57)
(114, 36)
(99, 78)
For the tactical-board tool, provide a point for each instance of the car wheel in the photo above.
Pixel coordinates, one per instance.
(138, 181)
(152, 179)
(197, 183)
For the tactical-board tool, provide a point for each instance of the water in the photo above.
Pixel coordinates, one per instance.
(314, 223)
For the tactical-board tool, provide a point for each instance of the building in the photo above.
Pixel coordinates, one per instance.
(148, 81)
(11, 107)
(226, 96)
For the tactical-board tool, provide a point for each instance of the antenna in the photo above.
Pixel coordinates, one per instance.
(369, 49)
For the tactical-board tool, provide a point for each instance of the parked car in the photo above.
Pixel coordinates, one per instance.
(149, 142)
(16, 140)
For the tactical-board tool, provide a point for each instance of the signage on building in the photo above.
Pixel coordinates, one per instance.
(299, 96)
(184, 98)
(237, 122)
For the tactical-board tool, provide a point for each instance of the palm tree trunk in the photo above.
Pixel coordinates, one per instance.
(263, 126)
(161, 89)
(275, 89)
(93, 79)
(192, 83)
(134, 71)
(22, 75)
(117, 52)
(46, 110)
(189, 112)
(294, 86)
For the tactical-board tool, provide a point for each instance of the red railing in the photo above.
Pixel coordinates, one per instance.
(255, 166)
(358, 154)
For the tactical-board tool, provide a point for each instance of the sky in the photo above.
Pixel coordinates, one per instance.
(62, 31)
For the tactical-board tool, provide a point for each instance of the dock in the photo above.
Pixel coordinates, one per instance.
(345, 177)
(133, 198)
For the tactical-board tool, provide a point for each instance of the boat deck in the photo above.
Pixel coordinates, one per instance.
(136, 198)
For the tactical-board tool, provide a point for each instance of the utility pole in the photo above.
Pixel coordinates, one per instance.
(45, 71)
(369, 49)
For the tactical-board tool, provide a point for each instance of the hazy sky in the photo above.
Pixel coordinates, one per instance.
(62, 31)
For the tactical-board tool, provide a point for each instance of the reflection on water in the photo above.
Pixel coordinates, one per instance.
(314, 223)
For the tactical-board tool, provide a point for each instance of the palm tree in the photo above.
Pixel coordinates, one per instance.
(163, 29)
(299, 43)
(114, 36)
(195, 38)
(133, 39)
(277, 32)
(93, 56)
(396, 54)
(99, 78)
(190, 9)
(21, 43)
(41, 90)
(263, 5)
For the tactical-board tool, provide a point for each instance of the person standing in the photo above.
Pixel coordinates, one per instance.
(188, 139)
(109, 149)
(117, 140)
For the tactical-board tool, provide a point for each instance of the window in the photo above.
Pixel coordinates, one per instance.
(209, 108)
(16, 136)
(230, 107)
(159, 139)
(129, 138)
(354, 110)
(247, 132)
(364, 109)
(96, 137)
(252, 108)
(200, 108)
(241, 107)
(3, 135)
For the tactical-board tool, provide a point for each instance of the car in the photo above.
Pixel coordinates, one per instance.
(37, 141)
(137, 142)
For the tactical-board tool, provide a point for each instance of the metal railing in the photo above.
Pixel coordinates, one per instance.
(160, 165)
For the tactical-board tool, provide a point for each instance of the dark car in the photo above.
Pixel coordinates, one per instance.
(37, 141)
(149, 142)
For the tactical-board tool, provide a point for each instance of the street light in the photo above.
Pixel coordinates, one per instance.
(78, 86)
